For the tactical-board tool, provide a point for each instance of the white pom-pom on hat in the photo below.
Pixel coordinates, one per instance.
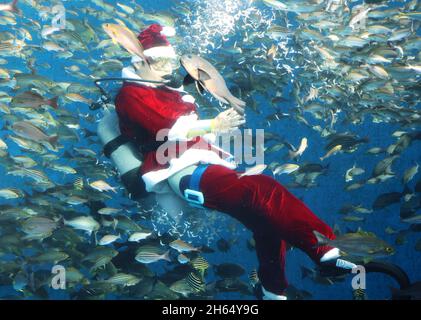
(168, 31)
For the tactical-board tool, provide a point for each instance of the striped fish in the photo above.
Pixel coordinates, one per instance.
(196, 282)
(254, 277)
(149, 254)
(78, 184)
(200, 264)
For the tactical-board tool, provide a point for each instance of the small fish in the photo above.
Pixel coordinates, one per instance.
(25, 161)
(108, 239)
(54, 256)
(286, 168)
(126, 38)
(27, 130)
(148, 255)
(108, 211)
(359, 244)
(295, 153)
(39, 226)
(12, 7)
(78, 184)
(33, 100)
(196, 282)
(124, 279)
(254, 278)
(102, 186)
(137, 236)
(413, 220)
(87, 224)
(207, 77)
(3, 145)
(256, 170)
(10, 193)
(271, 53)
(182, 246)
(76, 97)
(332, 151)
(200, 264)
(354, 171)
(410, 173)
(183, 287)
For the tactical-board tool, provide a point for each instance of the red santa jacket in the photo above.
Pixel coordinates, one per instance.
(143, 111)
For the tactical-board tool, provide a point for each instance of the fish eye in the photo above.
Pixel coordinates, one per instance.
(388, 249)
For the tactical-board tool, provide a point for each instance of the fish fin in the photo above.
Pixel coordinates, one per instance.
(203, 75)
(53, 140)
(53, 102)
(199, 87)
(188, 79)
(321, 239)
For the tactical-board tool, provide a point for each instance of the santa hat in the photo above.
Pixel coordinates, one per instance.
(154, 42)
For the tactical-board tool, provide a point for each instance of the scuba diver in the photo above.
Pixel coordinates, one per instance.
(201, 174)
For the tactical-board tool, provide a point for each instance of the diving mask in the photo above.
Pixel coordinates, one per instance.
(165, 65)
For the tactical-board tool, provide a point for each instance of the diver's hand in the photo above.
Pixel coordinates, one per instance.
(227, 121)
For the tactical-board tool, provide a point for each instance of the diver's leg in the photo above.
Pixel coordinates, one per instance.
(271, 251)
(261, 204)
(180, 180)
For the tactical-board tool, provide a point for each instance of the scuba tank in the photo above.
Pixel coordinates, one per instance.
(122, 151)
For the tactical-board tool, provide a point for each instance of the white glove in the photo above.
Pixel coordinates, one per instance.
(227, 121)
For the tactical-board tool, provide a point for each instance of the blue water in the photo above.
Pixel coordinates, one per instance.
(326, 199)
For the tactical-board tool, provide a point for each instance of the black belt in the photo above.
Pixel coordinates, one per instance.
(114, 144)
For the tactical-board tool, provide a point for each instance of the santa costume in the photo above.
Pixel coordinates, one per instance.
(274, 215)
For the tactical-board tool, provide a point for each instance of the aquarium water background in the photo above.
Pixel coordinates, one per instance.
(325, 199)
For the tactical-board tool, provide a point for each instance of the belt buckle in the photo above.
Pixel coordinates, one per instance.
(195, 198)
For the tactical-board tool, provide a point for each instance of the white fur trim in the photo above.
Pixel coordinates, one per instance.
(129, 72)
(330, 255)
(267, 295)
(155, 181)
(181, 128)
(168, 31)
(136, 58)
(161, 51)
(188, 98)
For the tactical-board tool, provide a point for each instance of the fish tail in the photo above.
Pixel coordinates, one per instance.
(237, 104)
(14, 6)
(321, 239)
(166, 256)
(53, 102)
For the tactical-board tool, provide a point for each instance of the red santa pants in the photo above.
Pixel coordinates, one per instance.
(272, 213)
